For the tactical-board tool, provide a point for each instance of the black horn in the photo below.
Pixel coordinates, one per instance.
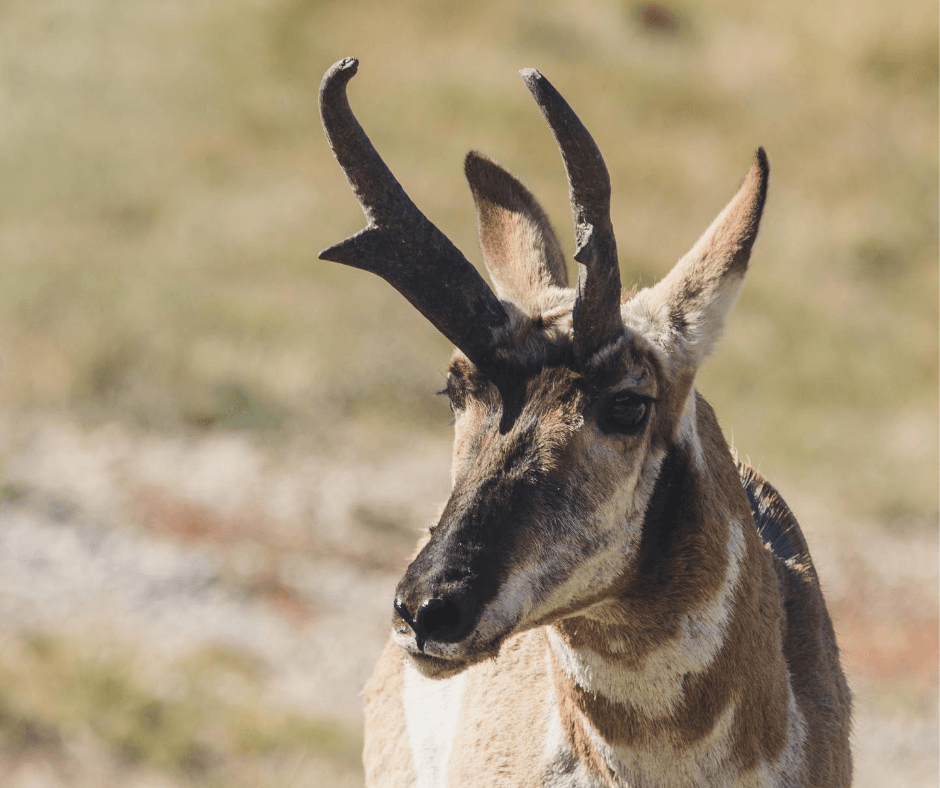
(399, 243)
(597, 319)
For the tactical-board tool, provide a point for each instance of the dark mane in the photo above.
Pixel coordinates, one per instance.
(775, 523)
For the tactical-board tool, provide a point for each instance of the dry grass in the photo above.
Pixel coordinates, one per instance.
(199, 722)
(166, 188)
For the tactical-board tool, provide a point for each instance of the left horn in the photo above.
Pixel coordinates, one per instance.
(597, 320)
(399, 243)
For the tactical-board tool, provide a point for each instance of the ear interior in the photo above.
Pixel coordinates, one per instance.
(520, 248)
(688, 308)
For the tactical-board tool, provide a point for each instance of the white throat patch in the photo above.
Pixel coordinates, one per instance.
(432, 708)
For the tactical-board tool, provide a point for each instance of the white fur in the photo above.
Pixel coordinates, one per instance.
(432, 708)
(687, 433)
(563, 770)
(656, 688)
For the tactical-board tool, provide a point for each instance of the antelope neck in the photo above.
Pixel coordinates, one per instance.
(670, 661)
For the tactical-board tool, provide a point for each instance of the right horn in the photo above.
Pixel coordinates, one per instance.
(597, 320)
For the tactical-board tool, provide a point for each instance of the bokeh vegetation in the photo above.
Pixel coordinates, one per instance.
(165, 187)
(182, 723)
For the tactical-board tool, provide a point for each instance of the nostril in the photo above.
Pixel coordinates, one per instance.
(438, 617)
(402, 609)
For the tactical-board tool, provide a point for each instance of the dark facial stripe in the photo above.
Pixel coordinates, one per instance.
(682, 556)
(666, 513)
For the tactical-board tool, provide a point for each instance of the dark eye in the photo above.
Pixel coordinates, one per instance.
(625, 413)
(455, 391)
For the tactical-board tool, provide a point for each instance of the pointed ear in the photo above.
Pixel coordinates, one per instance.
(520, 249)
(689, 306)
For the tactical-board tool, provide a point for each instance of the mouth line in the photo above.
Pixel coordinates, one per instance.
(417, 652)
(431, 659)
(436, 667)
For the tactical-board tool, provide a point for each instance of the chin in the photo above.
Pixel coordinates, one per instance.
(434, 667)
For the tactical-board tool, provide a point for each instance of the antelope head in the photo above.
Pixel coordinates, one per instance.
(566, 400)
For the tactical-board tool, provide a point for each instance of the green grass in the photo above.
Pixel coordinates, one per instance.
(166, 188)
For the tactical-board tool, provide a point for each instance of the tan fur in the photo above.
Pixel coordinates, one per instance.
(642, 611)
(751, 643)
(386, 761)
(809, 642)
(494, 692)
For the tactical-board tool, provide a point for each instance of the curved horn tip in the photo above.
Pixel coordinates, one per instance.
(530, 75)
(537, 84)
(345, 68)
(344, 64)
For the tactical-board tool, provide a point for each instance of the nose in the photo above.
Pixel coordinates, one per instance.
(441, 619)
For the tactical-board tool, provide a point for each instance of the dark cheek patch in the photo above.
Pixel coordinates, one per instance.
(664, 513)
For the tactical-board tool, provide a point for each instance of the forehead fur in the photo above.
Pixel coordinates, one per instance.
(546, 343)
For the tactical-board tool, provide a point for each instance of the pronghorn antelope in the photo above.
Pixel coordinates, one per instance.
(608, 598)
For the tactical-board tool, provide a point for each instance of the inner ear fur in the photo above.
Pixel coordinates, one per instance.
(688, 308)
(520, 248)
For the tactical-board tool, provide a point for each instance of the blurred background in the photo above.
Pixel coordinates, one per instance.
(216, 452)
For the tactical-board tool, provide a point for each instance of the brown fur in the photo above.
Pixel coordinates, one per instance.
(809, 641)
(692, 571)
(606, 598)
